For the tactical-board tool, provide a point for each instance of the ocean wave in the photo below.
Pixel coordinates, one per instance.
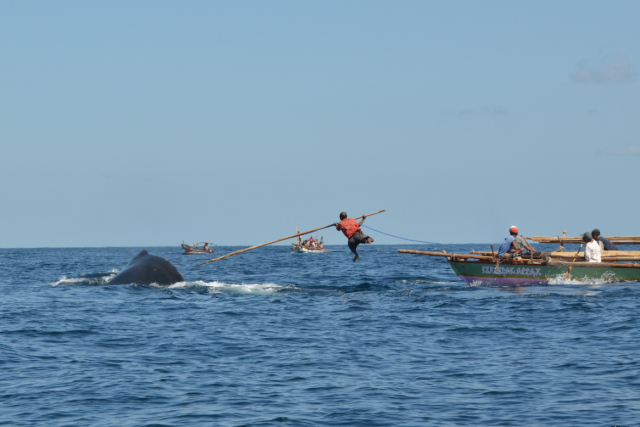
(239, 288)
(87, 279)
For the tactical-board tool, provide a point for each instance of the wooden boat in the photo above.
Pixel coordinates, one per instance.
(194, 249)
(485, 270)
(300, 248)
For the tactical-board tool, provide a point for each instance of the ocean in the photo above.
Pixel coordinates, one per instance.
(275, 338)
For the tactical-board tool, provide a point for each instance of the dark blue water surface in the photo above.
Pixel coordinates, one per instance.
(275, 338)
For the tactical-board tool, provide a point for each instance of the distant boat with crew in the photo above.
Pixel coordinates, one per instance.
(298, 248)
(311, 245)
(196, 249)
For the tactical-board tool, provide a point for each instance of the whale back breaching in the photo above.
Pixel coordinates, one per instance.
(146, 269)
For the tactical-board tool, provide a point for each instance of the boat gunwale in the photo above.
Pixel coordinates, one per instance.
(523, 261)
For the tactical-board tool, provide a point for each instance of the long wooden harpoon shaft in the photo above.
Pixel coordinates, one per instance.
(276, 241)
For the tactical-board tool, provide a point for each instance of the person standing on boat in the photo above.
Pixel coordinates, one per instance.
(592, 248)
(322, 242)
(510, 245)
(604, 243)
(351, 229)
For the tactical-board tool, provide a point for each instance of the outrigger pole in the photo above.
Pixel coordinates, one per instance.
(275, 241)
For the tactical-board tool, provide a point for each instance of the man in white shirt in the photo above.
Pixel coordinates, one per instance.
(592, 248)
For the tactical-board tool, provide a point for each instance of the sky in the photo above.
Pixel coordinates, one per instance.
(150, 123)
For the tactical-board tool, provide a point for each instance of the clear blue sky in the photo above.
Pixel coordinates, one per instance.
(146, 123)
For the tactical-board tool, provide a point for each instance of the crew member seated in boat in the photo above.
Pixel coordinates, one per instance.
(206, 246)
(604, 243)
(351, 229)
(311, 241)
(510, 245)
(522, 242)
(592, 249)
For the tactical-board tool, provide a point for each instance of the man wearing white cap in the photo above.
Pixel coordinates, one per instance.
(510, 245)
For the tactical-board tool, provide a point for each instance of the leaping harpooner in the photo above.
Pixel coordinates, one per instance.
(287, 238)
(351, 228)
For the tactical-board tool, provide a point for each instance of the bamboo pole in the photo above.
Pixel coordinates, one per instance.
(448, 255)
(565, 237)
(624, 240)
(603, 254)
(276, 241)
(606, 256)
(557, 263)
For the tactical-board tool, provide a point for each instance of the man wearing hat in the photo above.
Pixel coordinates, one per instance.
(592, 249)
(510, 245)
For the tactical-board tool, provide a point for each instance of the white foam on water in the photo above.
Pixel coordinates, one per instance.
(66, 280)
(220, 287)
(97, 280)
(560, 280)
(591, 293)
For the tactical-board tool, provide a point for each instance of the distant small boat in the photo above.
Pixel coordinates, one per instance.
(194, 249)
(299, 248)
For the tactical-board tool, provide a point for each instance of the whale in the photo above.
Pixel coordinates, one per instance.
(147, 269)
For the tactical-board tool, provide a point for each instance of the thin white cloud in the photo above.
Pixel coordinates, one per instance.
(627, 150)
(614, 68)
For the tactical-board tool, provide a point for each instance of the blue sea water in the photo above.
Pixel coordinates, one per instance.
(274, 338)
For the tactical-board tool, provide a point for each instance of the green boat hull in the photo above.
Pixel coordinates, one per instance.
(485, 274)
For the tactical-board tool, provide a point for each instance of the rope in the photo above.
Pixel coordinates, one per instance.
(411, 240)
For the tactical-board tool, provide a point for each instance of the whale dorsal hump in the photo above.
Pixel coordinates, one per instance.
(142, 253)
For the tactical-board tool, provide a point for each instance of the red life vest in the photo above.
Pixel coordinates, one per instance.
(349, 226)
